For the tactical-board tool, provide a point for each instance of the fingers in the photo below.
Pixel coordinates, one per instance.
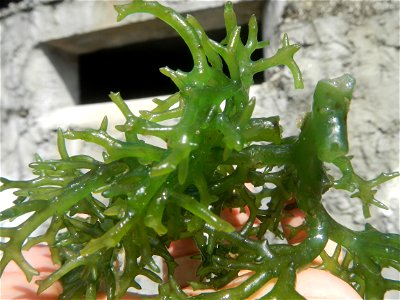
(237, 216)
(183, 247)
(182, 250)
(310, 283)
(15, 286)
(319, 284)
(291, 226)
(185, 271)
(13, 281)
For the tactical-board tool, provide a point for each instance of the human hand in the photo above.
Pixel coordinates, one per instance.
(14, 284)
(311, 283)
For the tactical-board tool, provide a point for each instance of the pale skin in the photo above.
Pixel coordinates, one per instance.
(311, 283)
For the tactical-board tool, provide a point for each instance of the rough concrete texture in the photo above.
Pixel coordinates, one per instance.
(357, 37)
(40, 41)
(345, 37)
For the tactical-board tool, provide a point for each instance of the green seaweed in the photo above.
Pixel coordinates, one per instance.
(159, 195)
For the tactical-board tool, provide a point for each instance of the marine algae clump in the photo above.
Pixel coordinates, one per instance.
(156, 195)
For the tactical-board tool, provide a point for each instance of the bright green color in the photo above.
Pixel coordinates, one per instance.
(178, 192)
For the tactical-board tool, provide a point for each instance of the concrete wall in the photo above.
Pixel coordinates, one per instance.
(40, 44)
(357, 37)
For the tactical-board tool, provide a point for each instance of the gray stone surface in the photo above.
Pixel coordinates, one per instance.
(40, 41)
(344, 37)
(357, 37)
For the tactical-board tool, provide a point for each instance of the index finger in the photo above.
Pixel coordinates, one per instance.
(14, 284)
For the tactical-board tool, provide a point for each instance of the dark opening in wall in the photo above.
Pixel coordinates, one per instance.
(6, 3)
(133, 70)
